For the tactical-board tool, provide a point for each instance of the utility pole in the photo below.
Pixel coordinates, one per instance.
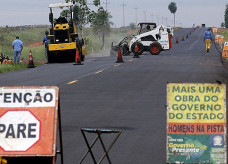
(136, 16)
(123, 15)
(106, 4)
(152, 17)
(144, 15)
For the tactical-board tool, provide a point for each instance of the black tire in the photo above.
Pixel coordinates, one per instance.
(50, 57)
(155, 48)
(140, 46)
(125, 50)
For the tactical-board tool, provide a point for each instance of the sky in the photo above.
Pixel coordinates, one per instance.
(189, 12)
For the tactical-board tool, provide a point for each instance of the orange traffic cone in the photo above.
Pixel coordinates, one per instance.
(119, 57)
(31, 63)
(177, 40)
(77, 58)
(183, 38)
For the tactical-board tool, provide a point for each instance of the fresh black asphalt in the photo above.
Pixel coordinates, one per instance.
(130, 97)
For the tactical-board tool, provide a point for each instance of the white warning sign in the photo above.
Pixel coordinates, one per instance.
(19, 130)
(41, 97)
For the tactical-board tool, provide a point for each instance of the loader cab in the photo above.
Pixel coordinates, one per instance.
(146, 27)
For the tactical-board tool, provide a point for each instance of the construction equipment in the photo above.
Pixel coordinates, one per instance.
(150, 38)
(203, 25)
(63, 39)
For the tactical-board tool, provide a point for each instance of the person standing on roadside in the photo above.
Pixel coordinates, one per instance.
(17, 47)
(46, 43)
(208, 38)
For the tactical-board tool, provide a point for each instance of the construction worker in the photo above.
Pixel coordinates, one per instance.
(46, 43)
(208, 38)
(17, 47)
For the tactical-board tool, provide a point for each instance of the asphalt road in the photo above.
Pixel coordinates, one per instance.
(130, 97)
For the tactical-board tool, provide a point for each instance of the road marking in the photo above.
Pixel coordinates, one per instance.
(73, 82)
(98, 71)
(116, 65)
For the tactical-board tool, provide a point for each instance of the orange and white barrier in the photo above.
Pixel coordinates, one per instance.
(221, 39)
(225, 50)
(215, 30)
(217, 38)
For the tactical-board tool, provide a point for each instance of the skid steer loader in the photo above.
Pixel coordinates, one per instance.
(63, 39)
(150, 38)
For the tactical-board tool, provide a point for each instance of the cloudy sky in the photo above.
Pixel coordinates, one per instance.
(189, 12)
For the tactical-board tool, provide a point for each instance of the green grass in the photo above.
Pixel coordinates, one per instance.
(225, 34)
(12, 67)
(33, 35)
(28, 36)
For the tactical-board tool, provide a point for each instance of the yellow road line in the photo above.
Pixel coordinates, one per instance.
(73, 82)
(130, 60)
(116, 65)
(98, 71)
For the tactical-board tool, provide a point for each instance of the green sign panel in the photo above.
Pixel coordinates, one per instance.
(196, 123)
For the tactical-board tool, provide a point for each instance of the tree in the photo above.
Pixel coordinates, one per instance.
(66, 14)
(222, 24)
(132, 26)
(173, 8)
(82, 13)
(100, 22)
(226, 16)
(96, 2)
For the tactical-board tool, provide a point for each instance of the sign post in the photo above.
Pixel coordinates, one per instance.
(28, 124)
(196, 123)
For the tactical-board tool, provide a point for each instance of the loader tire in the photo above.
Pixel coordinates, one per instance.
(50, 57)
(155, 48)
(140, 46)
(125, 50)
